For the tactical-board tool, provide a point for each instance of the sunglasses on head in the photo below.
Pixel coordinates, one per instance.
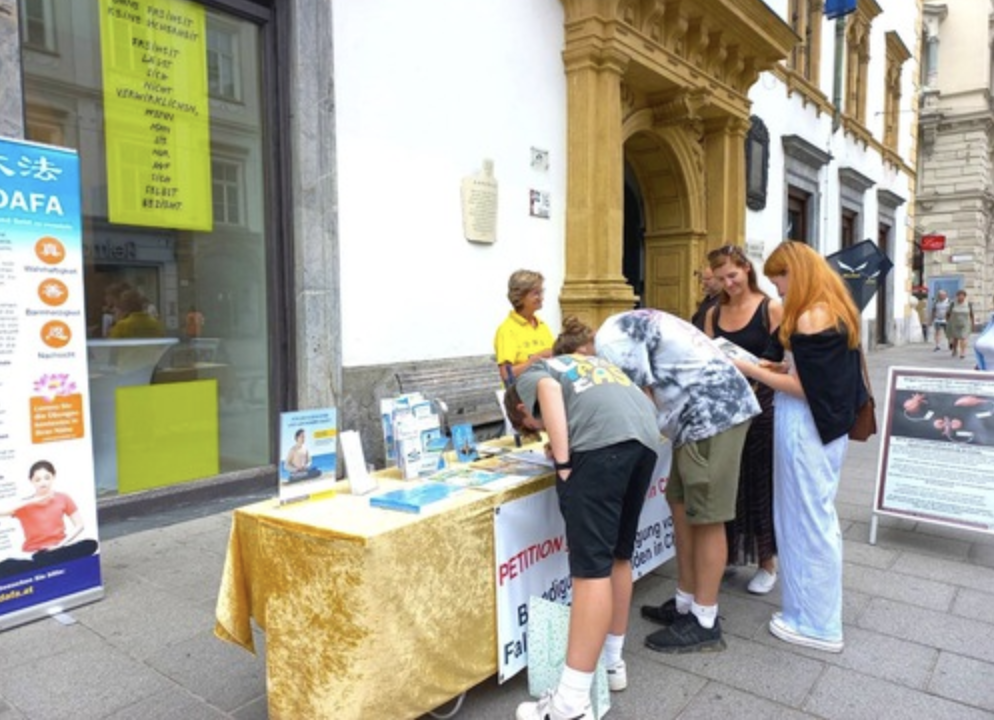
(726, 251)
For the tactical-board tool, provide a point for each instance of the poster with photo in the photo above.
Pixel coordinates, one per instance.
(308, 453)
(49, 545)
(937, 448)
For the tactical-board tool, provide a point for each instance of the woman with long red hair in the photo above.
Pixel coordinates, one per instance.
(819, 388)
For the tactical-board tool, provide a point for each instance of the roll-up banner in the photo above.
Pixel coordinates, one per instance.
(49, 548)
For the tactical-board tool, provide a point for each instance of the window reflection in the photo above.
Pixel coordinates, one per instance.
(202, 295)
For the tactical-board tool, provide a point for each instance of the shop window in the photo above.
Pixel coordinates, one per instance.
(897, 55)
(806, 20)
(222, 62)
(226, 184)
(858, 57)
(148, 137)
(38, 24)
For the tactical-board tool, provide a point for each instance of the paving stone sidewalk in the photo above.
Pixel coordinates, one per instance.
(919, 629)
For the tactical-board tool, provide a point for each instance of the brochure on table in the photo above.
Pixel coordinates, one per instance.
(308, 453)
(412, 435)
(46, 448)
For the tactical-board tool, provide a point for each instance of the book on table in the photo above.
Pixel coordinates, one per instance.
(413, 499)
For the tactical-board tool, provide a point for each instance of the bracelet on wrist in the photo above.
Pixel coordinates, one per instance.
(568, 465)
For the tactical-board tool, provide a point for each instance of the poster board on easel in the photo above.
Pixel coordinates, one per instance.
(936, 460)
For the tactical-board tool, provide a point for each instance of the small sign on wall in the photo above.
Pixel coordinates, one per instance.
(538, 204)
(479, 205)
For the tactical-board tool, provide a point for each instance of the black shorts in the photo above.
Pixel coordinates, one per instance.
(601, 503)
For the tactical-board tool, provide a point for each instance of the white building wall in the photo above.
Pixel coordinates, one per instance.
(420, 104)
(786, 114)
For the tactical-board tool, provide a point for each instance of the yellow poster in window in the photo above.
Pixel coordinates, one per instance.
(156, 113)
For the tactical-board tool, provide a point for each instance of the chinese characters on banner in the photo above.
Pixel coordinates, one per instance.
(156, 113)
(48, 515)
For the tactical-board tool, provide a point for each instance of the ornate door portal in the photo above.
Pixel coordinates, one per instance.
(661, 85)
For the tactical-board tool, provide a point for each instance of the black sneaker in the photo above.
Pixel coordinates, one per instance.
(665, 614)
(686, 635)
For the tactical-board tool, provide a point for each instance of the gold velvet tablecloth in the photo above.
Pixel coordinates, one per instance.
(368, 613)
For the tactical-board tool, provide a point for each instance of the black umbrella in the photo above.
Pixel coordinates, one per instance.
(864, 268)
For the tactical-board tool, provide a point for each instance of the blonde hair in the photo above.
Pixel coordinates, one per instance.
(574, 335)
(812, 282)
(520, 284)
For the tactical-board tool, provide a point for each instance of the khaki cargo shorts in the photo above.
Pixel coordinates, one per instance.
(705, 476)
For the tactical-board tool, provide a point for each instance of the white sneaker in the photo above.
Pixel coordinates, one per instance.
(617, 677)
(544, 709)
(762, 582)
(779, 628)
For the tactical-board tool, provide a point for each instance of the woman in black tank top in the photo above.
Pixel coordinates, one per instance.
(746, 316)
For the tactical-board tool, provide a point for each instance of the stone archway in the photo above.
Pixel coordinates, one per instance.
(661, 84)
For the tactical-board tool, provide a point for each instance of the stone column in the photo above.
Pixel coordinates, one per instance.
(594, 286)
(11, 92)
(724, 152)
(317, 287)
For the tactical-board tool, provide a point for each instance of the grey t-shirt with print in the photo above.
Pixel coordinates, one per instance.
(603, 406)
(698, 391)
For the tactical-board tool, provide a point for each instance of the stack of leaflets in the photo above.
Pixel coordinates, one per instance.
(509, 465)
(735, 352)
(536, 457)
(476, 478)
(413, 499)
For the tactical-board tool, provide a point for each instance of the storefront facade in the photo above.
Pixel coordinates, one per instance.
(181, 114)
(319, 242)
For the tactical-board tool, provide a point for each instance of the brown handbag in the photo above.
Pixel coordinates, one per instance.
(866, 417)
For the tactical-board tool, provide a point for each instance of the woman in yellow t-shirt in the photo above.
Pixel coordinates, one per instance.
(523, 337)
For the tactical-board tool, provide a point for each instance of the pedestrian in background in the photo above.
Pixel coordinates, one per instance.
(818, 387)
(940, 312)
(712, 293)
(960, 324)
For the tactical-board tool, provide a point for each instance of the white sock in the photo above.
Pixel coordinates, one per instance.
(683, 601)
(573, 693)
(705, 614)
(611, 654)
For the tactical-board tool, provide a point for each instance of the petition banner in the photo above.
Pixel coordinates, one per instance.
(48, 514)
(531, 558)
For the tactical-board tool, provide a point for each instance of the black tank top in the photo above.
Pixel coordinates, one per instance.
(755, 336)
